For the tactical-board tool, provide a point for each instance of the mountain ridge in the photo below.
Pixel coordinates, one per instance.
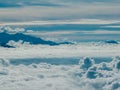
(6, 37)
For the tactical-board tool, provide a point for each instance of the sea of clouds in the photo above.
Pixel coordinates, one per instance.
(83, 76)
(86, 74)
(26, 50)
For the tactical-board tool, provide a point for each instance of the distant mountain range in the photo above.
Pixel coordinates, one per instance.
(6, 37)
(112, 42)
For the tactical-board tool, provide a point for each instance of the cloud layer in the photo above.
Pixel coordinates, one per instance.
(58, 31)
(61, 51)
(83, 76)
(57, 9)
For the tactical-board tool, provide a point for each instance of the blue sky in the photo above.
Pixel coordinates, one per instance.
(35, 10)
(99, 11)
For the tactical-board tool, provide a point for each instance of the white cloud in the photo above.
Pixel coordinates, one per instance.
(11, 30)
(64, 35)
(58, 22)
(103, 76)
(102, 32)
(69, 35)
(20, 43)
(73, 11)
(34, 51)
(112, 26)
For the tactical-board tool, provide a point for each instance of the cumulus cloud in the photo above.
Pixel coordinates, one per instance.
(102, 76)
(11, 30)
(17, 44)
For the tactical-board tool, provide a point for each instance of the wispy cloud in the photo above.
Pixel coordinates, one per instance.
(23, 3)
(64, 22)
(76, 35)
(52, 10)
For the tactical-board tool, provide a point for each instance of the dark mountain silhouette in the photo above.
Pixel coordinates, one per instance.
(112, 42)
(5, 38)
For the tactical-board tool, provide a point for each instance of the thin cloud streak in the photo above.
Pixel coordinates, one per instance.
(74, 11)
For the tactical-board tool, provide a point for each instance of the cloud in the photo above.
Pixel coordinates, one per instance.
(11, 30)
(78, 36)
(63, 22)
(101, 76)
(22, 3)
(90, 1)
(20, 43)
(102, 32)
(61, 51)
(67, 31)
(68, 11)
(112, 26)
(71, 33)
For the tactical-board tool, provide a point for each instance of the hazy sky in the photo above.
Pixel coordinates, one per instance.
(35, 10)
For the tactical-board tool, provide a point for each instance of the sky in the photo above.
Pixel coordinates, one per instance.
(66, 15)
(36, 10)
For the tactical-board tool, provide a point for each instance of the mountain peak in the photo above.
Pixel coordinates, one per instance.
(6, 37)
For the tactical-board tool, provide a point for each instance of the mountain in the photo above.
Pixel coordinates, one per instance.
(112, 42)
(5, 38)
